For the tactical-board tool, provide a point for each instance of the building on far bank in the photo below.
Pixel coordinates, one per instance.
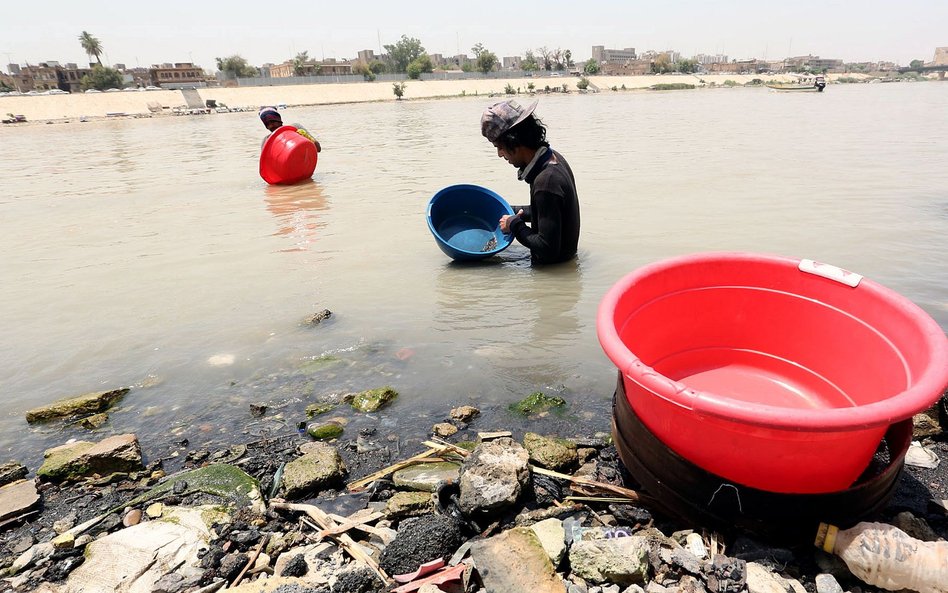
(740, 67)
(813, 63)
(328, 66)
(177, 75)
(629, 68)
(705, 59)
(513, 63)
(612, 56)
(941, 57)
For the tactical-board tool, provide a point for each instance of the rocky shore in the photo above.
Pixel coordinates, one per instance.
(475, 509)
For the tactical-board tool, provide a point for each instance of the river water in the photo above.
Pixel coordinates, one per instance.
(149, 253)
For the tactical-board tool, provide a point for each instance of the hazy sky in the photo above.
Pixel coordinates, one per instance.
(140, 33)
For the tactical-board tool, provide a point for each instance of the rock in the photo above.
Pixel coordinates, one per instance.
(18, 498)
(258, 410)
(133, 517)
(31, 556)
(82, 405)
(373, 399)
(120, 453)
(465, 413)
(406, 504)
(550, 452)
(64, 541)
(924, 425)
(22, 544)
(231, 565)
(726, 575)
(82, 540)
(356, 579)
(65, 524)
(515, 561)
(318, 409)
(296, 567)
(552, 537)
(154, 510)
(915, 527)
(762, 580)
(319, 316)
(419, 541)
(322, 466)
(444, 429)
(219, 479)
(623, 560)
(325, 432)
(95, 421)
(10, 472)
(493, 476)
(826, 583)
(536, 403)
(426, 476)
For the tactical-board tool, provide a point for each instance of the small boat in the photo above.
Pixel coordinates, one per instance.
(814, 84)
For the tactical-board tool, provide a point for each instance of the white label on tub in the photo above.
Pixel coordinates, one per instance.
(832, 272)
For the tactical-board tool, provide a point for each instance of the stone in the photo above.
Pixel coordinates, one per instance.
(258, 410)
(465, 413)
(326, 431)
(444, 429)
(426, 476)
(552, 537)
(406, 504)
(916, 527)
(493, 476)
(11, 471)
(552, 453)
(726, 575)
(154, 510)
(95, 421)
(762, 580)
(321, 467)
(536, 403)
(319, 316)
(133, 517)
(73, 461)
(82, 405)
(622, 560)
(924, 425)
(515, 561)
(421, 540)
(319, 409)
(295, 567)
(227, 481)
(64, 541)
(18, 498)
(373, 399)
(826, 583)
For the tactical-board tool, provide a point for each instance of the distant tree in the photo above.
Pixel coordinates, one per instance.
(467, 67)
(377, 67)
(531, 86)
(404, 52)
(102, 78)
(662, 64)
(583, 83)
(591, 67)
(546, 57)
(916, 64)
(91, 45)
(687, 66)
(510, 90)
(556, 56)
(363, 69)
(299, 63)
(568, 59)
(399, 89)
(420, 64)
(236, 67)
(484, 60)
(529, 62)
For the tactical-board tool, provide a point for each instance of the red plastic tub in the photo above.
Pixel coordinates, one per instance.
(287, 157)
(776, 373)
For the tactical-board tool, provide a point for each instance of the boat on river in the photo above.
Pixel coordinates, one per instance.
(811, 84)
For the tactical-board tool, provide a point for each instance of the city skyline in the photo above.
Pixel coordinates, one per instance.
(175, 31)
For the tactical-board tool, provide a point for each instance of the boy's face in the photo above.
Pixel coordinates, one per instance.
(273, 124)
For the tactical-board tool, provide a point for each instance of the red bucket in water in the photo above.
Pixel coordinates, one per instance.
(776, 373)
(287, 157)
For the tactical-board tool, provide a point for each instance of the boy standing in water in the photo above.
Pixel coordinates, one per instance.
(272, 121)
(520, 139)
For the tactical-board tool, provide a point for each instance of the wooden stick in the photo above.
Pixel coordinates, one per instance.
(625, 492)
(253, 558)
(439, 443)
(346, 542)
(359, 484)
(351, 524)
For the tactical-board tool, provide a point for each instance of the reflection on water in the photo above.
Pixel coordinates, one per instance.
(297, 209)
(149, 247)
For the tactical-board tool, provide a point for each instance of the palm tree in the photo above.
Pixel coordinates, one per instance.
(299, 63)
(91, 45)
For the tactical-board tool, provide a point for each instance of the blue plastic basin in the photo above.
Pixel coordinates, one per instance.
(464, 218)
